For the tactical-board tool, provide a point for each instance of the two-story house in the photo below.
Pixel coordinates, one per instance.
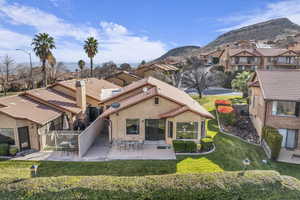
(239, 59)
(275, 102)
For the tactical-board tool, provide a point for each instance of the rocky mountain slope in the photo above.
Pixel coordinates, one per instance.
(276, 29)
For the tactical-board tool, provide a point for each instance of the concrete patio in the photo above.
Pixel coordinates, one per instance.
(101, 150)
(149, 152)
(289, 156)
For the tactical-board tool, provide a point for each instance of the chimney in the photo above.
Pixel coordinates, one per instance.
(81, 95)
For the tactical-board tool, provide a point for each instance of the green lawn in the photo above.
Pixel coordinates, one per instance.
(228, 157)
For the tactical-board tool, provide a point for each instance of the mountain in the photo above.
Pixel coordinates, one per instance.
(181, 52)
(275, 29)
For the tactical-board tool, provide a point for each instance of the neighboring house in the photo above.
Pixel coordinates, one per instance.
(152, 110)
(212, 57)
(153, 69)
(68, 105)
(122, 78)
(275, 101)
(239, 59)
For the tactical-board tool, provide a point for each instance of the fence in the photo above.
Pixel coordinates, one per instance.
(87, 137)
(63, 140)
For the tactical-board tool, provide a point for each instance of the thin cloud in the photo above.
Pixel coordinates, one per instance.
(285, 8)
(117, 43)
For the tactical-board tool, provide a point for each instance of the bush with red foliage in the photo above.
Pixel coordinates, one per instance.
(225, 109)
(227, 115)
(222, 102)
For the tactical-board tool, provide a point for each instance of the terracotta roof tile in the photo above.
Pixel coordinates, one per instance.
(280, 84)
(21, 107)
(165, 90)
(94, 86)
(54, 98)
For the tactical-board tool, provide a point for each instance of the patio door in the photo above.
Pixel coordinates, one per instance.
(24, 140)
(155, 129)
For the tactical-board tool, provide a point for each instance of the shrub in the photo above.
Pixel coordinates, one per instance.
(181, 146)
(225, 109)
(13, 150)
(190, 146)
(227, 115)
(221, 102)
(4, 149)
(273, 139)
(207, 144)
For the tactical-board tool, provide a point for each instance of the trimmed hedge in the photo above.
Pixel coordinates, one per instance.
(258, 185)
(13, 150)
(4, 149)
(181, 146)
(207, 144)
(273, 139)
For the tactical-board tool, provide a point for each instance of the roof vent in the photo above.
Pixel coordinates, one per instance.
(115, 105)
(145, 89)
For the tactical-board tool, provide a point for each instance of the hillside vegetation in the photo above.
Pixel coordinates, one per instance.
(276, 29)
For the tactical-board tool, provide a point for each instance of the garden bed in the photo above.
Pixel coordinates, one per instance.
(235, 120)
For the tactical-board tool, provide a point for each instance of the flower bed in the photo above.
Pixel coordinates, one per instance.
(221, 102)
(236, 124)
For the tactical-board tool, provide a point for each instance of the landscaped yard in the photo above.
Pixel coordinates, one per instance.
(83, 180)
(229, 154)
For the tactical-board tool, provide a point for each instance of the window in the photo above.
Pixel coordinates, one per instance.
(203, 130)
(187, 130)
(7, 135)
(285, 108)
(132, 126)
(289, 138)
(170, 129)
(156, 100)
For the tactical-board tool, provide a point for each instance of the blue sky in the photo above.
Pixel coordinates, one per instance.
(132, 30)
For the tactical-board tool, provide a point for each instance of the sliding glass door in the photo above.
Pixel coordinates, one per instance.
(289, 138)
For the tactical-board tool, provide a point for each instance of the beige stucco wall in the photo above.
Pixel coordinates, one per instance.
(8, 122)
(148, 110)
(257, 109)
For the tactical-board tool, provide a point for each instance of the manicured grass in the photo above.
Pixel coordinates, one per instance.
(84, 180)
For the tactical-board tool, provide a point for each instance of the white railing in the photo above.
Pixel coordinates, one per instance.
(88, 136)
(60, 140)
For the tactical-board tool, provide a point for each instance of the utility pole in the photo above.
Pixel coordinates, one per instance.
(30, 61)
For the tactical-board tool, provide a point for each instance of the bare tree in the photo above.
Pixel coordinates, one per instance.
(8, 63)
(126, 67)
(106, 69)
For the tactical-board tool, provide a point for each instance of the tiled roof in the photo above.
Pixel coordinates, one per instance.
(162, 89)
(280, 84)
(164, 67)
(123, 73)
(93, 86)
(21, 107)
(54, 98)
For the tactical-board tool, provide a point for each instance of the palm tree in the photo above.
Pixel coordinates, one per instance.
(42, 45)
(91, 49)
(81, 65)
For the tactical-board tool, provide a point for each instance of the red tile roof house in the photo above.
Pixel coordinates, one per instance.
(148, 110)
(33, 119)
(275, 101)
(152, 110)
